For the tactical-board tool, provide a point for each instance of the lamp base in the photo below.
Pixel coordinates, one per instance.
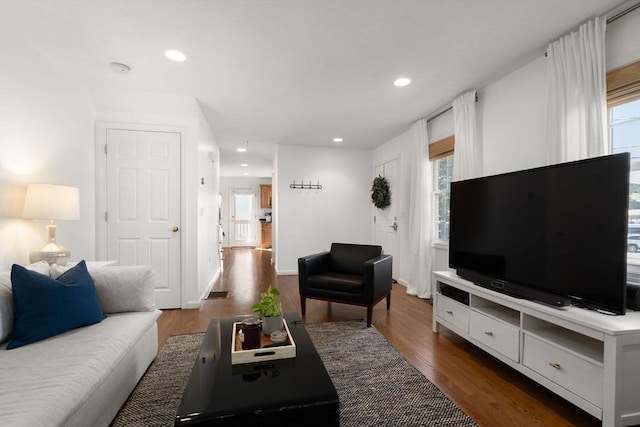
(52, 253)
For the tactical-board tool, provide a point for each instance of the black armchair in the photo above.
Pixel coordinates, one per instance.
(349, 274)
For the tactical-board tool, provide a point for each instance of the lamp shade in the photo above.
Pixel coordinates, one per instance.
(46, 201)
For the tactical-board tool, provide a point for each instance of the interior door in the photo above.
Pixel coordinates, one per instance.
(386, 220)
(143, 206)
(243, 231)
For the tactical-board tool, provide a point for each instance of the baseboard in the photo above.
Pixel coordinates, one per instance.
(406, 285)
(286, 272)
(204, 293)
(192, 304)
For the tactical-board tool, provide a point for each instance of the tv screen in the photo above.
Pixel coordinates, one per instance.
(559, 229)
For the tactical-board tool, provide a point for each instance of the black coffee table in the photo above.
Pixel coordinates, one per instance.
(284, 392)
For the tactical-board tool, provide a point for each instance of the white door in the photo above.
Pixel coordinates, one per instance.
(143, 206)
(386, 220)
(243, 232)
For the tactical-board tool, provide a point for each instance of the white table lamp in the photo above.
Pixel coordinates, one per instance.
(52, 202)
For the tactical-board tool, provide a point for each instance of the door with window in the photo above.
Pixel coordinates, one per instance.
(243, 201)
(386, 220)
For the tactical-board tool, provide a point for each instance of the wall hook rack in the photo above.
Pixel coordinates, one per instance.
(303, 186)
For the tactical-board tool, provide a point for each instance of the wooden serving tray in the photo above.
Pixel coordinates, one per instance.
(285, 350)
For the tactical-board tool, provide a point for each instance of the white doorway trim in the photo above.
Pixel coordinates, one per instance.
(101, 190)
(252, 223)
(387, 224)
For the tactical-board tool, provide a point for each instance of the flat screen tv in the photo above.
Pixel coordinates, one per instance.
(555, 234)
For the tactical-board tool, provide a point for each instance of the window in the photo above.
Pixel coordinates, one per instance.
(624, 136)
(443, 172)
(441, 153)
(623, 96)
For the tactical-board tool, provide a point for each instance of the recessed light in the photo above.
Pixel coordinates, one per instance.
(175, 55)
(244, 165)
(241, 150)
(246, 173)
(402, 81)
(338, 139)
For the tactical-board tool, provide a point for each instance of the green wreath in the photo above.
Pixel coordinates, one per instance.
(380, 194)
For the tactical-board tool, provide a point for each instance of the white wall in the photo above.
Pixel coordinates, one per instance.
(308, 221)
(208, 257)
(622, 40)
(228, 183)
(200, 160)
(46, 135)
(512, 120)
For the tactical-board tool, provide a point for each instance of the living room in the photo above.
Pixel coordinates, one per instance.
(36, 142)
(49, 133)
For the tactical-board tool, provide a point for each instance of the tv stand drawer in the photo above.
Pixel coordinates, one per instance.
(453, 313)
(499, 336)
(576, 374)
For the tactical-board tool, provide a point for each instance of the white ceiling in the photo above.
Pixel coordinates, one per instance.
(269, 72)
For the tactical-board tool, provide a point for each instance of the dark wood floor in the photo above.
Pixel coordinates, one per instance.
(487, 390)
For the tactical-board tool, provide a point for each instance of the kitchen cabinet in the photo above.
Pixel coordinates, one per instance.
(265, 196)
(266, 235)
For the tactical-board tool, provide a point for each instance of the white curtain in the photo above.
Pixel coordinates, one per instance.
(577, 123)
(420, 233)
(467, 156)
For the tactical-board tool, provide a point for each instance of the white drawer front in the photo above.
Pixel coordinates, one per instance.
(565, 369)
(500, 336)
(453, 313)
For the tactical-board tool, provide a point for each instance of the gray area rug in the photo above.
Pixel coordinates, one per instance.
(376, 385)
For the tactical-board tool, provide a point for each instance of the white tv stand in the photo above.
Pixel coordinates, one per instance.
(588, 358)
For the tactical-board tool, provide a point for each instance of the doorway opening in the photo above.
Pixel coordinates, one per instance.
(242, 217)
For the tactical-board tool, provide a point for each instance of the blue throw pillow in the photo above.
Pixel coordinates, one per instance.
(44, 307)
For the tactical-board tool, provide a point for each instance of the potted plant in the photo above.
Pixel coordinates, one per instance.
(270, 310)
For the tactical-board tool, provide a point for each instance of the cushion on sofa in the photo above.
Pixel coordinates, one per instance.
(6, 312)
(6, 298)
(44, 307)
(121, 289)
(40, 266)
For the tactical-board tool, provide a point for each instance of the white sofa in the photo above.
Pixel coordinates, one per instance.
(81, 377)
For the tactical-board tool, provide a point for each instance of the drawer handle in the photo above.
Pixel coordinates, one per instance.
(489, 333)
(555, 365)
(449, 312)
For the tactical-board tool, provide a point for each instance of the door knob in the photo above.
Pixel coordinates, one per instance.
(394, 226)
(175, 229)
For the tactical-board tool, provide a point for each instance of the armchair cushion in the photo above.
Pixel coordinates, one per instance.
(349, 258)
(336, 282)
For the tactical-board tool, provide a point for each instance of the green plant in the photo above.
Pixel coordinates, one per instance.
(269, 304)
(380, 194)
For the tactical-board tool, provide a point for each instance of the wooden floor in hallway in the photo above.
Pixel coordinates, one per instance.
(486, 389)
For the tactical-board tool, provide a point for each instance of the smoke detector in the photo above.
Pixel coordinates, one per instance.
(120, 68)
